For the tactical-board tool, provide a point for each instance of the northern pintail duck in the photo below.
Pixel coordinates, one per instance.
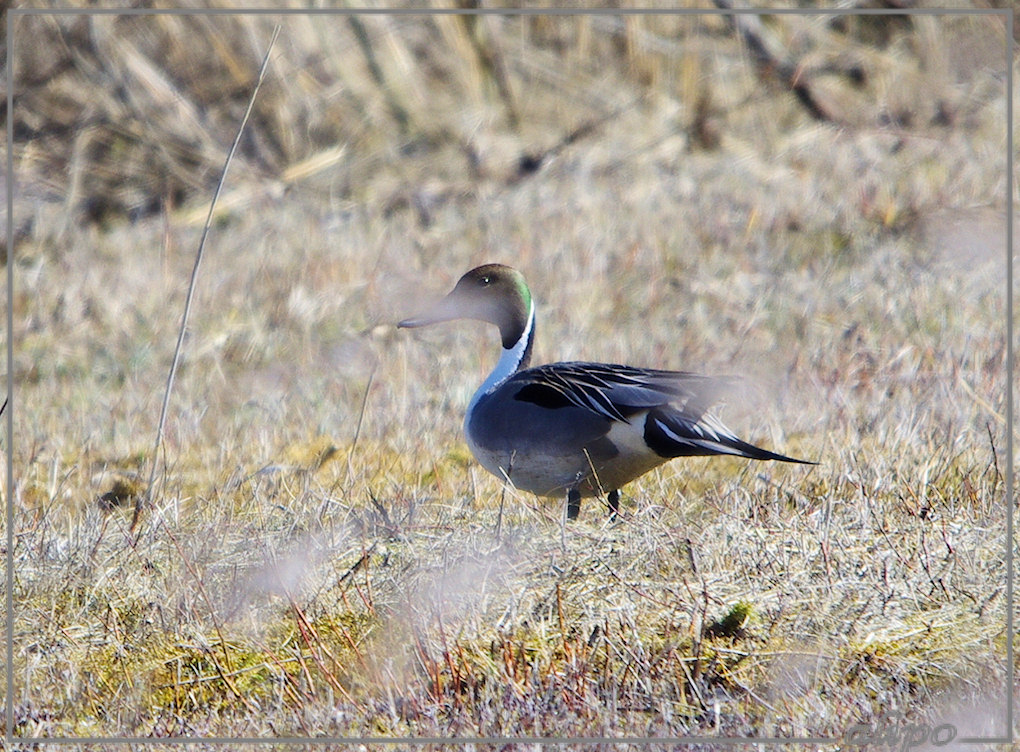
(583, 429)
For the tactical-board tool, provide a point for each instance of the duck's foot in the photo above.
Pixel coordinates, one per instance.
(573, 503)
(614, 503)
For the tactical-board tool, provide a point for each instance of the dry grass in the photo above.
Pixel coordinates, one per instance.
(323, 556)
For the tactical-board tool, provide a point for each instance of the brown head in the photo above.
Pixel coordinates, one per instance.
(493, 293)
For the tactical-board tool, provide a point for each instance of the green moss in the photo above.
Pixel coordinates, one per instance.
(731, 625)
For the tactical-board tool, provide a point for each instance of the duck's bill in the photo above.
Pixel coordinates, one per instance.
(414, 321)
(444, 310)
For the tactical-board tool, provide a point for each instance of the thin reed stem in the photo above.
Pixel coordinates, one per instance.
(145, 497)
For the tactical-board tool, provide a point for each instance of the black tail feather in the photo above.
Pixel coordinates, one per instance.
(672, 434)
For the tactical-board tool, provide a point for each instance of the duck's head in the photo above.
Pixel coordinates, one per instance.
(494, 293)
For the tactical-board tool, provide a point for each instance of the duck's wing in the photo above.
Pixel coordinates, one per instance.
(671, 405)
(616, 392)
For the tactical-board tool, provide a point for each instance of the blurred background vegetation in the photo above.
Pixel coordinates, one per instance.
(120, 117)
(816, 201)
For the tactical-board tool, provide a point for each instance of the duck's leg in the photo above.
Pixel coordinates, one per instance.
(573, 503)
(614, 503)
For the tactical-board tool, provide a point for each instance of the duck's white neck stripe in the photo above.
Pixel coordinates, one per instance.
(509, 361)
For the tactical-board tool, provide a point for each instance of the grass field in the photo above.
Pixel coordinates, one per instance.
(321, 556)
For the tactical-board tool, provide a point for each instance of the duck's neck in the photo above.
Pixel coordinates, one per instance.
(513, 358)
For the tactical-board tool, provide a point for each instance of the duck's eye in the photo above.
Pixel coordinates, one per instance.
(485, 280)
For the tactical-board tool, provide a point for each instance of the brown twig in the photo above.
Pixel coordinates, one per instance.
(775, 62)
(530, 162)
(397, 110)
(490, 59)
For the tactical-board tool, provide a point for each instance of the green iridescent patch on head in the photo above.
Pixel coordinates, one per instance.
(522, 288)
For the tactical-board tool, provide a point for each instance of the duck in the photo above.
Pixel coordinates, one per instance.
(576, 429)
